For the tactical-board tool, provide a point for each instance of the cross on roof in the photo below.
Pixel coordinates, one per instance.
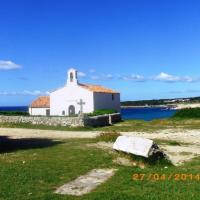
(81, 103)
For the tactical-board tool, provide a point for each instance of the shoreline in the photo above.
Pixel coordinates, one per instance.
(153, 106)
(171, 106)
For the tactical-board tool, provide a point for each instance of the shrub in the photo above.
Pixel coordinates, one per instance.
(188, 113)
(107, 137)
(14, 113)
(102, 112)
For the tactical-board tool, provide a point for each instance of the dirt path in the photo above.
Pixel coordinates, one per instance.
(186, 136)
(51, 134)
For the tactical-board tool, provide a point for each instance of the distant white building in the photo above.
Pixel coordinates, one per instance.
(74, 98)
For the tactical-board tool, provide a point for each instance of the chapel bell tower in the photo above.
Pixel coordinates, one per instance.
(72, 77)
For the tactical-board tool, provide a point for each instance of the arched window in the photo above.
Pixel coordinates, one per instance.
(63, 112)
(71, 77)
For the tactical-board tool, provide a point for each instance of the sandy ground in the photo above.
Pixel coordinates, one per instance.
(177, 153)
(51, 134)
(187, 105)
(186, 136)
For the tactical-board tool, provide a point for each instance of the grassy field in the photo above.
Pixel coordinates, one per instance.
(34, 168)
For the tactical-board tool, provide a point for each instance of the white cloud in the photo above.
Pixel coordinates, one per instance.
(166, 77)
(81, 74)
(8, 65)
(171, 78)
(24, 93)
(163, 77)
(133, 77)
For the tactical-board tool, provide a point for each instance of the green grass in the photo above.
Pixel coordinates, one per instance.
(188, 113)
(169, 142)
(34, 172)
(107, 137)
(102, 112)
(14, 113)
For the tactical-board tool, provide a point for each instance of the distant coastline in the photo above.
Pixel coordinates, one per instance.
(178, 106)
(149, 106)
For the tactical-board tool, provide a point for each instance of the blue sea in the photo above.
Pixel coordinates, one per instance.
(146, 114)
(14, 108)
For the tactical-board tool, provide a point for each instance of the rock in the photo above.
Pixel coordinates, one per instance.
(134, 145)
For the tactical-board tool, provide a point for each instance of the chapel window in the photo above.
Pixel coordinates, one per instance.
(113, 97)
(71, 77)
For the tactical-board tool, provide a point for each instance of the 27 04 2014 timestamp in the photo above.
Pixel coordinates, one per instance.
(166, 177)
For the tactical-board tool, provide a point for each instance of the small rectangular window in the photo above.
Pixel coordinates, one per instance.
(47, 112)
(113, 97)
(63, 112)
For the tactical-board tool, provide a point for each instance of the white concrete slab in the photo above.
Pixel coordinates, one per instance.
(86, 183)
(134, 145)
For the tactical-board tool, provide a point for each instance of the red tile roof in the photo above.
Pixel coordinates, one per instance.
(98, 88)
(41, 102)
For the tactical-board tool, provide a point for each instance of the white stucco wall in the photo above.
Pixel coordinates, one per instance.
(104, 101)
(61, 99)
(37, 111)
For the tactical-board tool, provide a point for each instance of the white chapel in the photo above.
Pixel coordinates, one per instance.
(75, 98)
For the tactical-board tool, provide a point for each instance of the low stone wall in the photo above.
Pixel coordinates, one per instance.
(81, 121)
(103, 120)
(43, 120)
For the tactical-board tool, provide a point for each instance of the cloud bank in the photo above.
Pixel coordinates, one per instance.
(172, 78)
(24, 93)
(162, 77)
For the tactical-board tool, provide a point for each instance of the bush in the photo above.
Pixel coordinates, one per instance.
(188, 113)
(107, 137)
(102, 112)
(14, 113)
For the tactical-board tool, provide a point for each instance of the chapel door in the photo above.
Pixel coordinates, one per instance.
(71, 110)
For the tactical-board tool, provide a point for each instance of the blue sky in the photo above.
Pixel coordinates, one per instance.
(146, 49)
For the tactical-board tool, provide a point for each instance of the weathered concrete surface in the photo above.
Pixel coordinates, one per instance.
(86, 183)
(134, 145)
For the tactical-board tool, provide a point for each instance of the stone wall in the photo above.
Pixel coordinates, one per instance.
(50, 121)
(103, 120)
(81, 121)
